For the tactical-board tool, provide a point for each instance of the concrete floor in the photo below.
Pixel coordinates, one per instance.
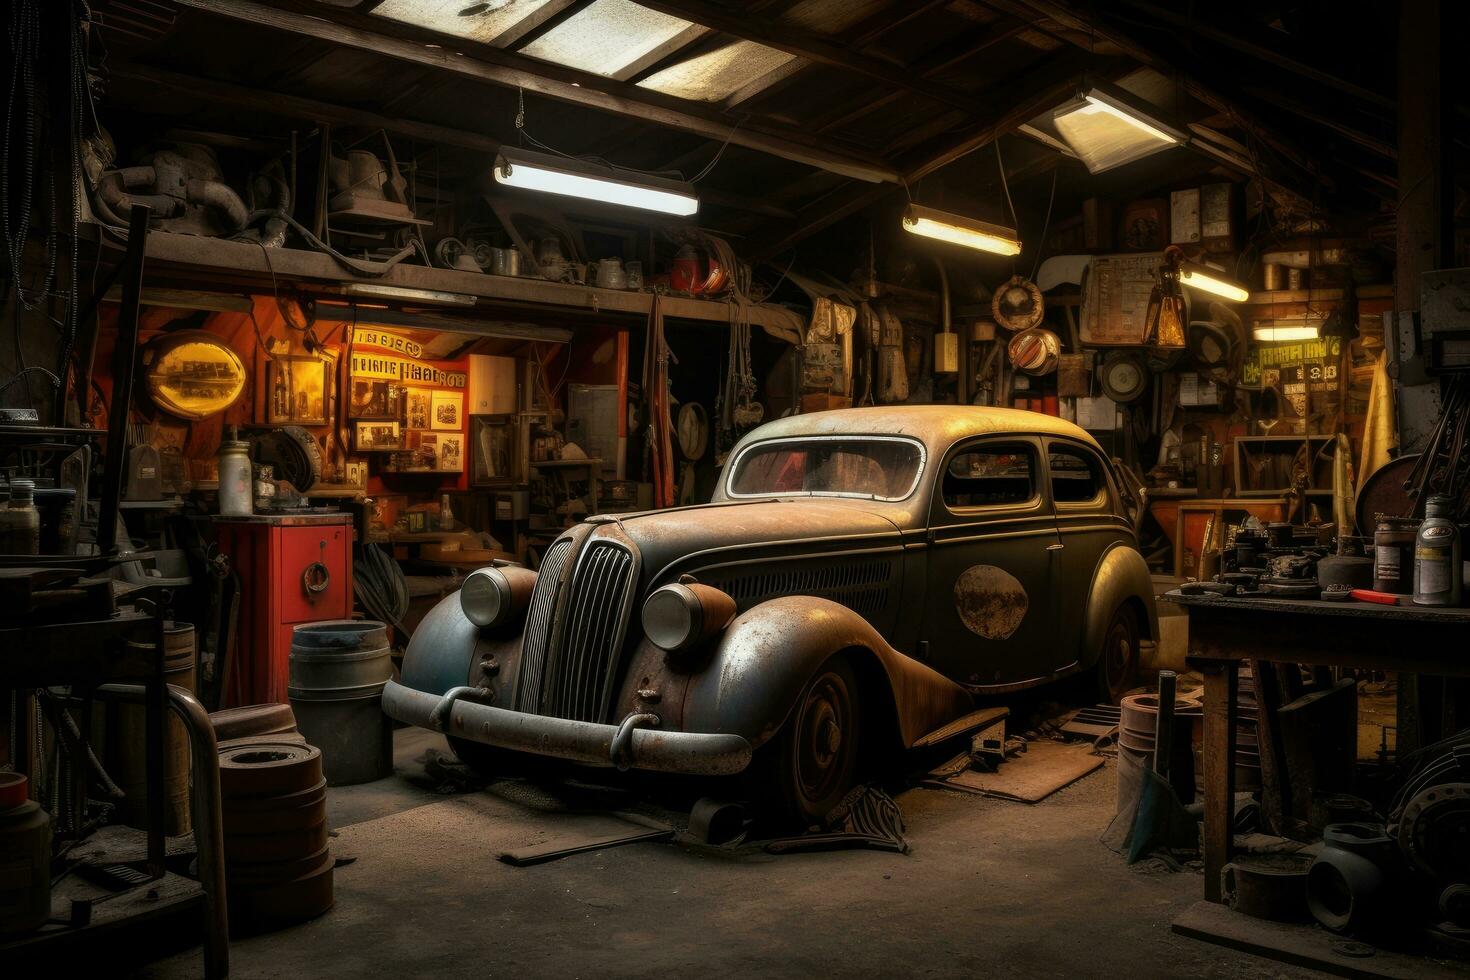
(991, 886)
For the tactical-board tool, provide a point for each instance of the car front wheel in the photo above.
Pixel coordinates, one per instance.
(1117, 664)
(814, 758)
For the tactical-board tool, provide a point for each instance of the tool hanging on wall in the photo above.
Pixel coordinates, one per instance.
(1018, 304)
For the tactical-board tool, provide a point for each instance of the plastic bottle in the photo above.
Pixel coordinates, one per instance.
(20, 522)
(1438, 577)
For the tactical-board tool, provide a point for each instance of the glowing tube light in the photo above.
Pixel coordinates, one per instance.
(1212, 281)
(959, 230)
(1107, 128)
(567, 177)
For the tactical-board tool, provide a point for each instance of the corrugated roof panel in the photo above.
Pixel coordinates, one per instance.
(717, 74)
(605, 37)
(444, 15)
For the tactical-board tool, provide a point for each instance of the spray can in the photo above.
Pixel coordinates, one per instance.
(1438, 577)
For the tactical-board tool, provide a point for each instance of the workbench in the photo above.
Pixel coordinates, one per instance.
(1224, 632)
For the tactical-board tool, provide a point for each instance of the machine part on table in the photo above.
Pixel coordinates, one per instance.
(268, 768)
(1125, 376)
(253, 720)
(184, 187)
(1349, 883)
(337, 673)
(1384, 493)
(1018, 304)
(25, 858)
(1268, 886)
(293, 453)
(1352, 571)
(1034, 351)
(451, 253)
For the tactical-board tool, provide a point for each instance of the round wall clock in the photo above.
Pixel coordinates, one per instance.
(1124, 376)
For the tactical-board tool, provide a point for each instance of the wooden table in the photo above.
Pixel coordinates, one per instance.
(1223, 632)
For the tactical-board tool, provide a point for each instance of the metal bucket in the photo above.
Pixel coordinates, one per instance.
(337, 671)
(127, 738)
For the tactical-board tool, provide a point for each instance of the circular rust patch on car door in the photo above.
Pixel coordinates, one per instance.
(990, 600)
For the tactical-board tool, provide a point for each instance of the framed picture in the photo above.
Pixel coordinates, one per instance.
(372, 436)
(495, 450)
(375, 399)
(448, 410)
(192, 374)
(357, 471)
(451, 453)
(298, 390)
(418, 408)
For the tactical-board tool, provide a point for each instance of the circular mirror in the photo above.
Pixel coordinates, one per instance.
(193, 374)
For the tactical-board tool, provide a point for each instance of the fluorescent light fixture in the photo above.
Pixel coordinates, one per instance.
(1108, 128)
(1213, 281)
(959, 230)
(1286, 329)
(549, 174)
(373, 290)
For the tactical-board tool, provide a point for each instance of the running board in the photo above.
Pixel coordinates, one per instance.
(967, 723)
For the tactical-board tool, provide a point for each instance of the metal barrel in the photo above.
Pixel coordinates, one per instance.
(126, 737)
(337, 670)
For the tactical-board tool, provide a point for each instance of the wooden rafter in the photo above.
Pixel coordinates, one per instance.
(311, 110)
(537, 22)
(485, 63)
(816, 49)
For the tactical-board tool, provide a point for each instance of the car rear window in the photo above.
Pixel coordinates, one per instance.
(990, 476)
(882, 469)
(1074, 476)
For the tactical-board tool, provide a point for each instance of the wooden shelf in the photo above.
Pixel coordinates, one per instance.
(202, 260)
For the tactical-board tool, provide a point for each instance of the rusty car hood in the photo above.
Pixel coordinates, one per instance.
(768, 526)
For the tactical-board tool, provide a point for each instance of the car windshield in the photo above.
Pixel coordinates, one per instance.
(881, 469)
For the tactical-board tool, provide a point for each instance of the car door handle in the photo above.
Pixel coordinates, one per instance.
(1055, 547)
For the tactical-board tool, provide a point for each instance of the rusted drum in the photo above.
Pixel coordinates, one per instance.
(337, 672)
(268, 768)
(126, 738)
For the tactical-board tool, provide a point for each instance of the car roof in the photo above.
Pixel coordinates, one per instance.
(936, 426)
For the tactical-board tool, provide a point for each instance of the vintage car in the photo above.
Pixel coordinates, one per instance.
(858, 577)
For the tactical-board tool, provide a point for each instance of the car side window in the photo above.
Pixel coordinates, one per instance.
(989, 476)
(1075, 475)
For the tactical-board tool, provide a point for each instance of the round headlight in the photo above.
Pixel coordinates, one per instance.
(679, 617)
(493, 596)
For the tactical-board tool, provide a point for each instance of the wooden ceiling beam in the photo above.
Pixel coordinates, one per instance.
(312, 111)
(668, 52)
(536, 23)
(827, 211)
(491, 65)
(815, 49)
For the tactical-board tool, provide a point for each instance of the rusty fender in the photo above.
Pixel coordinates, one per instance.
(448, 651)
(768, 654)
(1121, 575)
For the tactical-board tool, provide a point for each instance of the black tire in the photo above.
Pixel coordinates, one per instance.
(812, 762)
(1117, 661)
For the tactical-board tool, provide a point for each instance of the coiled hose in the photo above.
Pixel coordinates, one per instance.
(378, 583)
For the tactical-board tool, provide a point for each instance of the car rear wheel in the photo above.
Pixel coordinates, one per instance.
(1117, 664)
(814, 758)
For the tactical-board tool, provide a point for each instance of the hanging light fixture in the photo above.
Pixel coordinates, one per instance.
(1107, 127)
(1164, 322)
(1196, 275)
(960, 230)
(1307, 326)
(569, 177)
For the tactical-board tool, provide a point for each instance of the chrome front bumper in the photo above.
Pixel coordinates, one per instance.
(585, 742)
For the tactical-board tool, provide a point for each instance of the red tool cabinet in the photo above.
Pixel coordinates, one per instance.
(293, 569)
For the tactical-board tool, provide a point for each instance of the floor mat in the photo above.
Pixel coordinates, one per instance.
(1031, 777)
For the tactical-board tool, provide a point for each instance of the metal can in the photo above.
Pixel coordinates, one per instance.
(1393, 554)
(1437, 569)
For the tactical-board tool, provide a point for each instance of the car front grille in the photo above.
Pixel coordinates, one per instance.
(537, 638)
(594, 619)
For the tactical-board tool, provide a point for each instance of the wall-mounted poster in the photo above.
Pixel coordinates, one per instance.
(448, 408)
(419, 406)
(297, 390)
(357, 471)
(376, 437)
(451, 453)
